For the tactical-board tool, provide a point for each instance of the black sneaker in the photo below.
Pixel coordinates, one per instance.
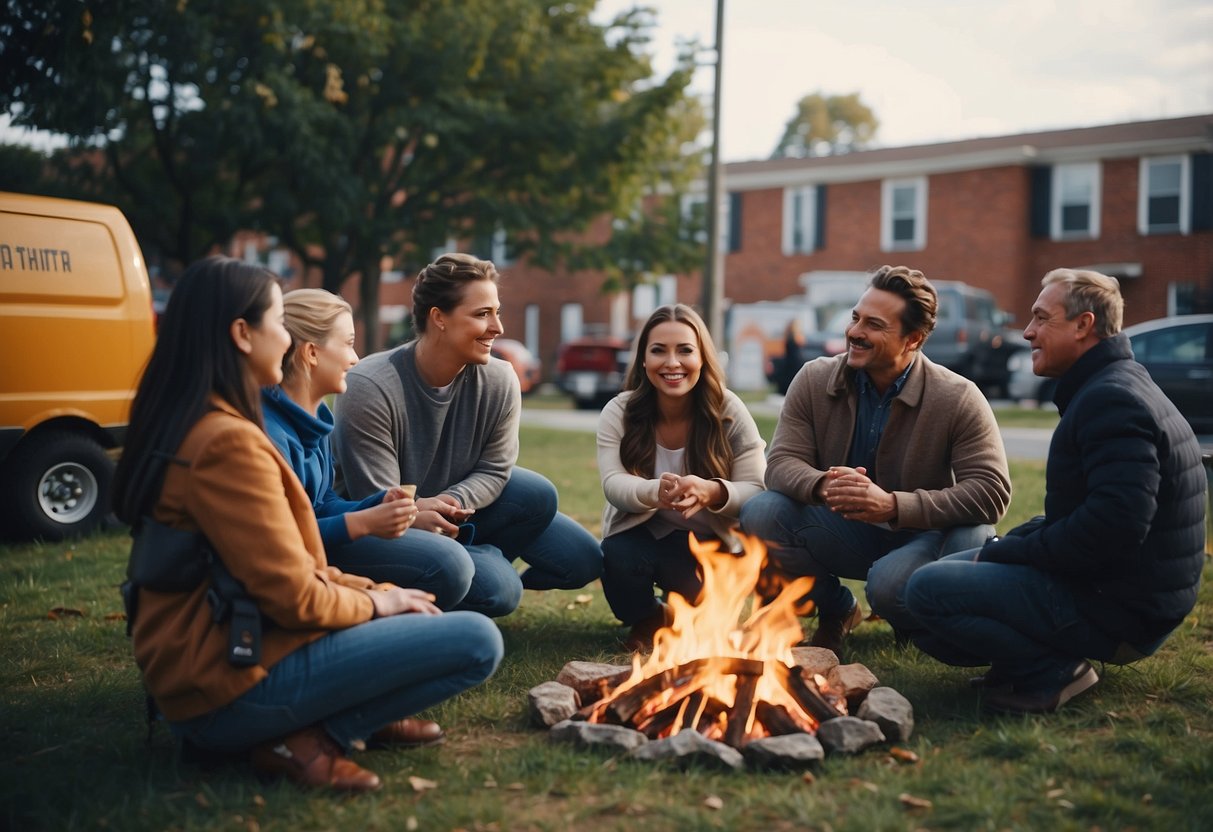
(1019, 699)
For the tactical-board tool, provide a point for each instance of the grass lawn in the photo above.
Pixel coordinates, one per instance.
(1136, 752)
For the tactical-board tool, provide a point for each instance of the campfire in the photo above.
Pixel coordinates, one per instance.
(724, 667)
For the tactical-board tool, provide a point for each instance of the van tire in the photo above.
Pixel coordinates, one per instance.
(60, 485)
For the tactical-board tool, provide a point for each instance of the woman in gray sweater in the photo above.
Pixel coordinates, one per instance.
(442, 413)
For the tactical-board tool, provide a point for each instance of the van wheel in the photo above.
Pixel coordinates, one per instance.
(60, 485)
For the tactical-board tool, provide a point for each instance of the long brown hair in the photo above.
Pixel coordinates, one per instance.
(708, 452)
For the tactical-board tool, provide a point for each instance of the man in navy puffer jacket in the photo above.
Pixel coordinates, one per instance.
(1114, 564)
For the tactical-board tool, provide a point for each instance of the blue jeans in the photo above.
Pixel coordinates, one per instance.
(1016, 617)
(812, 540)
(634, 560)
(353, 682)
(420, 560)
(523, 523)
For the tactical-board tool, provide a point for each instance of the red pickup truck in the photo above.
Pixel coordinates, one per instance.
(592, 370)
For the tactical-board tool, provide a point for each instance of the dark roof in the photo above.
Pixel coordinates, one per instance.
(1187, 127)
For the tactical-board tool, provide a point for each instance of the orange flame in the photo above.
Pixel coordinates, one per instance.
(729, 623)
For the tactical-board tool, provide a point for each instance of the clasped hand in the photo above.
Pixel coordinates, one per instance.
(688, 494)
(851, 493)
(400, 600)
(442, 514)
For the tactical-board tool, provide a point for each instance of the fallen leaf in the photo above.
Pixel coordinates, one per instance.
(201, 800)
(259, 801)
(570, 606)
(516, 787)
(809, 778)
(64, 612)
(411, 824)
(713, 802)
(420, 784)
(115, 616)
(584, 599)
(490, 783)
(1065, 804)
(1054, 793)
(864, 784)
(904, 755)
(909, 801)
(1147, 798)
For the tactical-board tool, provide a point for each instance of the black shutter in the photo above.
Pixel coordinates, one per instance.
(735, 221)
(819, 234)
(1039, 201)
(1202, 191)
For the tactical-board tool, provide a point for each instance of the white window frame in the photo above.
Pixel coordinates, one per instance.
(1095, 171)
(571, 322)
(888, 187)
(806, 197)
(1185, 194)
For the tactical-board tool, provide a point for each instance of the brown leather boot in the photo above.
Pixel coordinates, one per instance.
(311, 758)
(833, 630)
(408, 733)
(640, 637)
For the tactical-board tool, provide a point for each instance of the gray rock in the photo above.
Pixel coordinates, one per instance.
(848, 735)
(790, 751)
(814, 661)
(551, 702)
(891, 711)
(687, 747)
(588, 734)
(590, 678)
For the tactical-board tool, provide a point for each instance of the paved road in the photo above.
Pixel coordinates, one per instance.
(1021, 443)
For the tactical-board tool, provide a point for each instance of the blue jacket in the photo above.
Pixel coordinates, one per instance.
(304, 440)
(1124, 500)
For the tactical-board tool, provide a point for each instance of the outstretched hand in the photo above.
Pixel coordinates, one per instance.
(390, 519)
(402, 600)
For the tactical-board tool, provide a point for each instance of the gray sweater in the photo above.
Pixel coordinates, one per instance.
(392, 428)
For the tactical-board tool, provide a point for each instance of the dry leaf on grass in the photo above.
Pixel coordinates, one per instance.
(420, 784)
(411, 824)
(64, 612)
(903, 755)
(809, 778)
(115, 616)
(713, 802)
(490, 783)
(911, 802)
(584, 599)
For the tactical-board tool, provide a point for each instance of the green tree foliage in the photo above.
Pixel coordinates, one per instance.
(824, 125)
(351, 130)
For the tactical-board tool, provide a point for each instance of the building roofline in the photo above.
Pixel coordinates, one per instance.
(1140, 138)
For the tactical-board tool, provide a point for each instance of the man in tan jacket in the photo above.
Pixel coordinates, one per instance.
(881, 462)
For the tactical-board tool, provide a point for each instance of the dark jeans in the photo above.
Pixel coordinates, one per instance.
(1019, 619)
(634, 561)
(812, 540)
(524, 524)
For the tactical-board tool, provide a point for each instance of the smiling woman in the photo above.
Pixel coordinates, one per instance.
(441, 412)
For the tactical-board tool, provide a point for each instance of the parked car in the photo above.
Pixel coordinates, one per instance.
(524, 362)
(592, 369)
(1176, 351)
(971, 336)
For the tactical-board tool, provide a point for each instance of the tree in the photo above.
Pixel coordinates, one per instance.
(352, 130)
(824, 125)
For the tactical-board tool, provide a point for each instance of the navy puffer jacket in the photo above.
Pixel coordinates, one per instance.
(1124, 503)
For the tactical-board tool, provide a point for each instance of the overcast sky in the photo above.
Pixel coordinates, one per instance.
(946, 69)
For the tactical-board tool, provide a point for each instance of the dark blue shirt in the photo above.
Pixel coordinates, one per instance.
(871, 416)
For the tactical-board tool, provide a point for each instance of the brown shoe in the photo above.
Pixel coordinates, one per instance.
(311, 758)
(833, 630)
(640, 637)
(408, 733)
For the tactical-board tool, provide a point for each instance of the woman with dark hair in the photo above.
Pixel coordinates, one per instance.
(678, 453)
(442, 413)
(342, 661)
(366, 537)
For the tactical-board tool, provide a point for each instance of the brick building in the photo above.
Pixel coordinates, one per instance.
(1134, 200)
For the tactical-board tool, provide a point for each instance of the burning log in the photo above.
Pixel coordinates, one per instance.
(739, 719)
(624, 708)
(777, 719)
(806, 696)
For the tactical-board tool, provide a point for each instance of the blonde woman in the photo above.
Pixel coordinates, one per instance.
(678, 453)
(365, 537)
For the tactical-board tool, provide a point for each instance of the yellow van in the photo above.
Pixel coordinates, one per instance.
(76, 328)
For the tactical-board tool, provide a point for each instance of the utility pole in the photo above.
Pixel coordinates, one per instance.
(713, 272)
